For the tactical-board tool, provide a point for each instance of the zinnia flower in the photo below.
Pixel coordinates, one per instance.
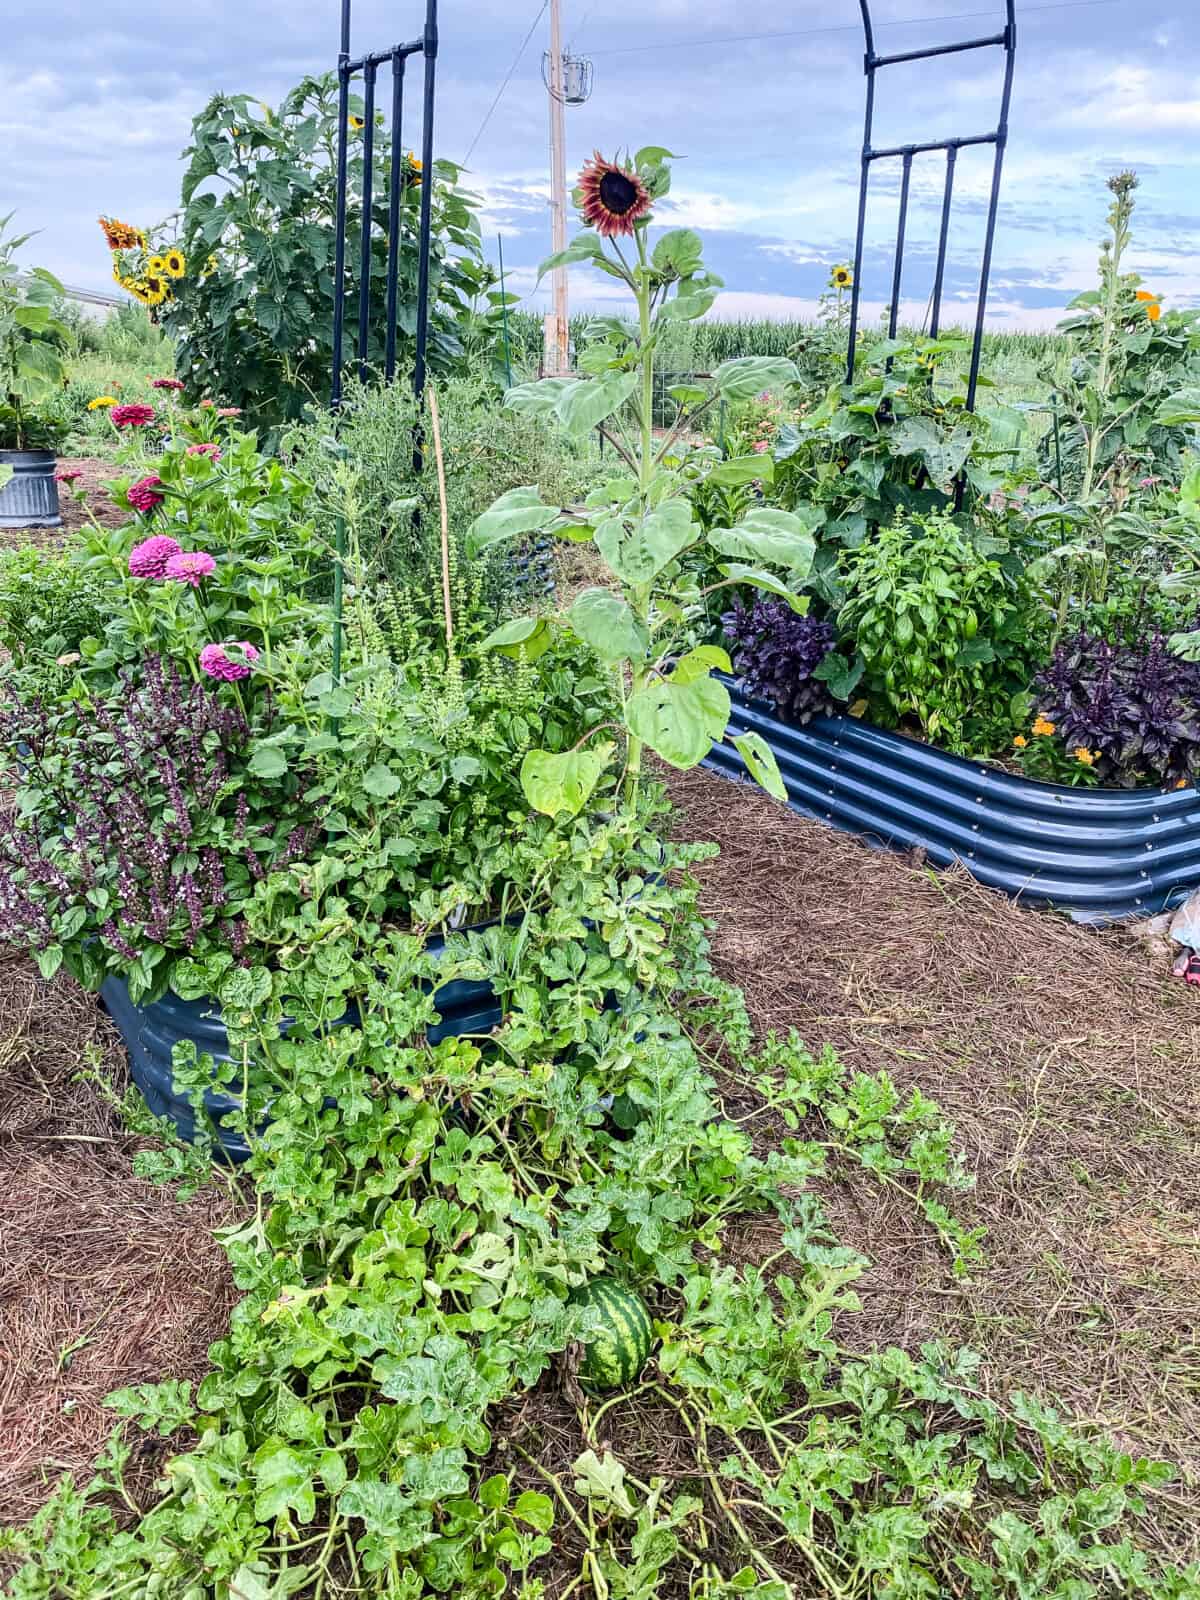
(149, 559)
(1042, 726)
(190, 566)
(841, 278)
(213, 451)
(143, 495)
(1084, 756)
(166, 383)
(229, 411)
(207, 405)
(101, 402)
(761, 446)
(1020, 741)
(131, 416)
(614, 199)
(174, 264)
(215, 660)
(67, 477)
(1153, 309)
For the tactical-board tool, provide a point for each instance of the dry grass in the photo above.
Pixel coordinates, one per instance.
(1070, 1066)
(104, 1280)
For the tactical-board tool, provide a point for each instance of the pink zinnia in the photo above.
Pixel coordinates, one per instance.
(67, 477)
(166, 383)
(761, 446)
(212, 450)
(143, 495)
(189, 566)
(149, 559)
(229, 411)
(207, 405)
(215, 661)
(135, 416)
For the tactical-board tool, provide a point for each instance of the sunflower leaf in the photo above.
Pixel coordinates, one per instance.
(747, 376)
(582, 406)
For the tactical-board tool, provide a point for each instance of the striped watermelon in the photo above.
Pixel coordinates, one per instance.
(616, 1356)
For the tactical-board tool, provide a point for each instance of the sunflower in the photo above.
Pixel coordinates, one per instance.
(412, 171)
(614, 199)
(174, 264)
(157, 265)
(841, 278)
(102, 402)
(356, 124)
(1151, 302)
(154, 288)
(121, 235)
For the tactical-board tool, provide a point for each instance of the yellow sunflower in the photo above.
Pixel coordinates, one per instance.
(102, 402)
(356, 124)
(154, 289)
(157, 265)
(841, 278)
(174, 264)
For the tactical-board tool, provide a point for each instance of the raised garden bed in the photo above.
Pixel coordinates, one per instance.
(1099, 854)
(151, 1031)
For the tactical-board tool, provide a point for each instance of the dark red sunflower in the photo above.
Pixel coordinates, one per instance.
(614, 199)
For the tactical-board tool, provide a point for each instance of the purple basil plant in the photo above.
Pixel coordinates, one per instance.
(776, 654)
(133, 834)
(1136, 707)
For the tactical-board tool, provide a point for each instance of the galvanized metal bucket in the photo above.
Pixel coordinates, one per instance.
(30, 497)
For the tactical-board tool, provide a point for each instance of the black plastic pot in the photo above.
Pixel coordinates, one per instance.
(30, 497)
(151, 1031)
(1099, 854)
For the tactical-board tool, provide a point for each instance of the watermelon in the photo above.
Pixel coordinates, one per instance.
(617, 1354)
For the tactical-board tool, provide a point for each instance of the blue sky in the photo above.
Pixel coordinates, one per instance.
(96, 101)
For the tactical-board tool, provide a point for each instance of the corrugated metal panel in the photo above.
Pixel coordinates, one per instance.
(151, 1032)
(1099, 854)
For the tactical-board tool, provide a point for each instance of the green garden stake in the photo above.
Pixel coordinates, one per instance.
(504, 315)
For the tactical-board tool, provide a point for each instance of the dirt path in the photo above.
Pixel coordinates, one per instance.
(1072, 1070)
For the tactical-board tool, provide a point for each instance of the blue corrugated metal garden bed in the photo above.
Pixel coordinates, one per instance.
(1099, 854)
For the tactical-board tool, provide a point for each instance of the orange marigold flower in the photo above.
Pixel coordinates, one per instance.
(1020, 741)
(1151, 302)
(1042, 727)
(1085, 757)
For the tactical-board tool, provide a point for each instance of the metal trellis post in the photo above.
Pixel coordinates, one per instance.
(1005, 40)
(367, 67)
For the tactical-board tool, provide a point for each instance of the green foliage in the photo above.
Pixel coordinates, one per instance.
(253, 317)
(31, 364)
(48, 605)
(642, 523)
(488, 450)
(943, 629)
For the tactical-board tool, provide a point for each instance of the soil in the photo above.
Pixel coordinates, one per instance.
(1070, 1064)
(94, 475)
(105, 1280)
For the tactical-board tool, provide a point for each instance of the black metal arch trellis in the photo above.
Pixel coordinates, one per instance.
(1006, 40)
(367, 66)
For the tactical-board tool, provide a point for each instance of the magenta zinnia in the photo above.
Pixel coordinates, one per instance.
(614, 198)
(149, 559)
(218, 663)
(166, 383)
(190, 566)
(67, 477)
(134, 416)
(213, 451)
(143, 495)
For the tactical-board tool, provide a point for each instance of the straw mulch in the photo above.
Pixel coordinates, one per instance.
(104, 1280)
(1071, 1067)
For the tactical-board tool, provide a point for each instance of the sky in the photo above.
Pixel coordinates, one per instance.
(764, 105)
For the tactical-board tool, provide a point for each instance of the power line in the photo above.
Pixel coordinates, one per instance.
(839, 27)
(516, 61)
